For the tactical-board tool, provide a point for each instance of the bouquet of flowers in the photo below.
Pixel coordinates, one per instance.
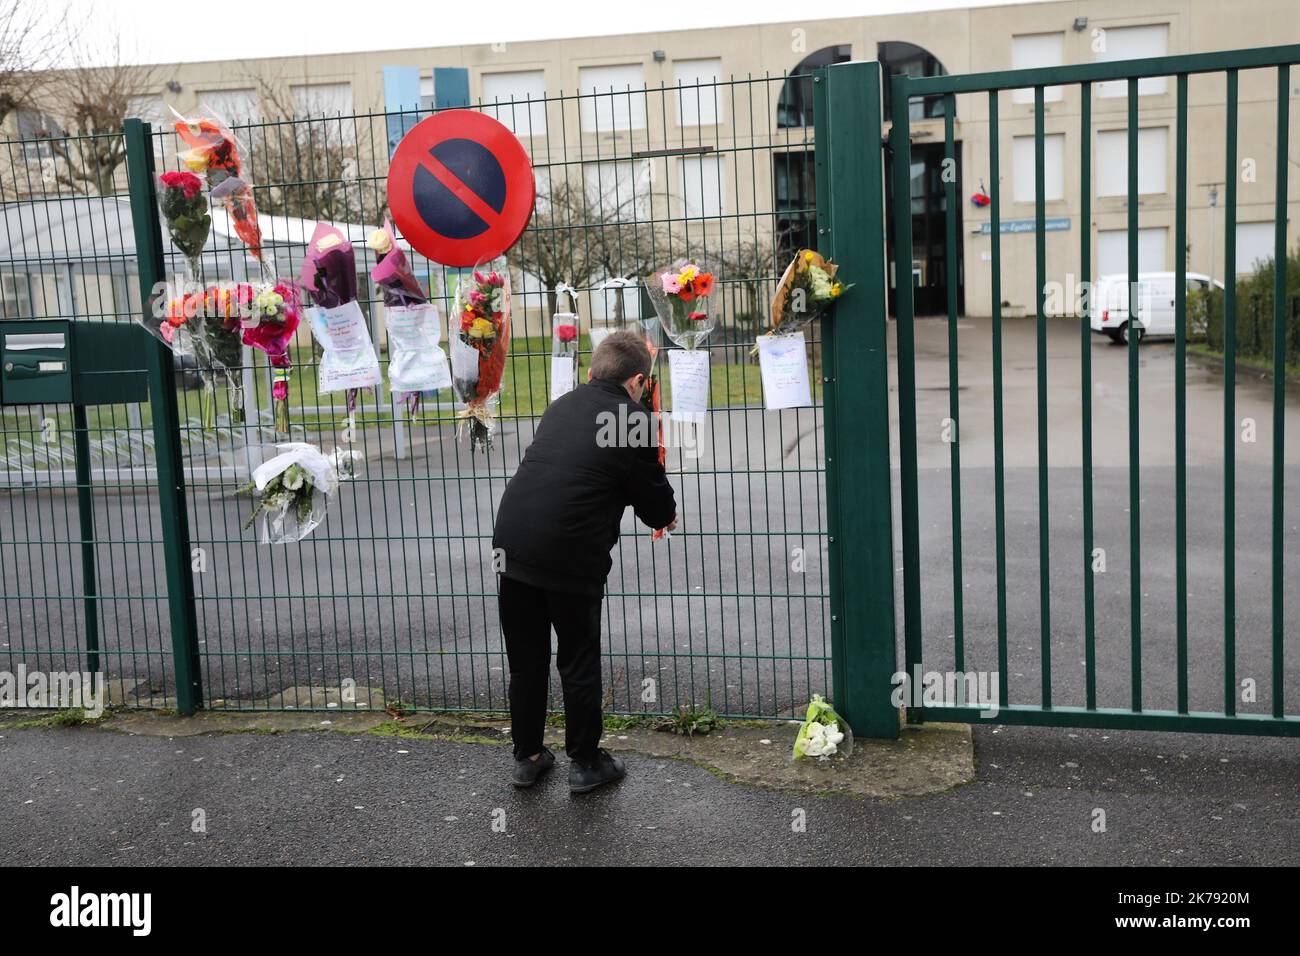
(204, 323)
(823, 733)
(269, 319)
(808, 288)
(416, 362)
(478, 353)
(680, 296)
(214, 152)
(329, 273)
(293, 492)
(679, 293)
(564, 345)
(185, 210)
(392, 272)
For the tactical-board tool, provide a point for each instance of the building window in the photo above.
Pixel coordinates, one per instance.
(15, 296)
(1034, 51)
(1254, 246)
(907, 59)
(1024, 184)
(427, 99)
(1112, 161)
(795, 106)
(331, 104)
(703, 185)
(613, 98)
(1112, 251)
(1133, 43)
(697, 102)
(518, 100)
(618, 191)
(34, 127)
(236, 107)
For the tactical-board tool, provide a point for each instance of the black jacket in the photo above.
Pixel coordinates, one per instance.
(560, 514)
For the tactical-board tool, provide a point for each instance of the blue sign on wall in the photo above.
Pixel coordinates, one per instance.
(1058, 224)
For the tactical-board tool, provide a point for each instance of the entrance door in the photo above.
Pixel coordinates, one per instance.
(928, 265)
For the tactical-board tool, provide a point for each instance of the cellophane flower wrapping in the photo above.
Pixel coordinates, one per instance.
(392, 272)
(270, 320)
(214, 152)
(480, 346)
(203, 322)
(329, 273)
(680, 294)
(824, 733)
(806, 291)
(564, 345)
(293, 490)
(416, 361)
(185, 211)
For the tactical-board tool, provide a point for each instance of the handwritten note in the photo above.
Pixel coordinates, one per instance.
(689, 375)
(783, 362)
(349, 360)
(561, 375)
(415, 362)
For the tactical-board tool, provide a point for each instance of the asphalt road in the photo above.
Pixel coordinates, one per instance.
(396, 592)
(86, 797)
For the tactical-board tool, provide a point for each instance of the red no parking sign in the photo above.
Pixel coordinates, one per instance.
(460, 188)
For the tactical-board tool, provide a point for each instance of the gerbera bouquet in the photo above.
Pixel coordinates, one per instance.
(680, 295)
(478, 353)
(270, 317)
(185, 210)
(204, 323)
(214, 152)
(329, 273)
(824, 733)
(293, 492)
(416, 362)
(808, 288)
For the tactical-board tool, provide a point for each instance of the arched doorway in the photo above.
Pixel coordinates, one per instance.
(793, 183)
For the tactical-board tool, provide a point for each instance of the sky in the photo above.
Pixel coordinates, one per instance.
(168, 31)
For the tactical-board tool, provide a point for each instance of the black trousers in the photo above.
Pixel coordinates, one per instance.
(527, 615)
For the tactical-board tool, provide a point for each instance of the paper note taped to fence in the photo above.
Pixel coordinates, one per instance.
(689, 373)
(783, 361)
(561, 375)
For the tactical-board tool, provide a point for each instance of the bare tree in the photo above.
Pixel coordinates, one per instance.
(32, 37)
(86, 104)
(311, 167)
(580, 239)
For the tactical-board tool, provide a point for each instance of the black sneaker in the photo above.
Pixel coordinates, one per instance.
(527, 771)
(606, 769)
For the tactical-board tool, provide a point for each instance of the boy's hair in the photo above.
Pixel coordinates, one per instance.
(621, 356)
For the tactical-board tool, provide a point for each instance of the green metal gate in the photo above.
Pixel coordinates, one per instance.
(1071, 659)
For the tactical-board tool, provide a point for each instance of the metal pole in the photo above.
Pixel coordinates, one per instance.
(851, 228)
(172, 509)
(86, 523)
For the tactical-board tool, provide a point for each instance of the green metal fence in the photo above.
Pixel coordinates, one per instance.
(1081, 661)
(787, 559)
(392, 600)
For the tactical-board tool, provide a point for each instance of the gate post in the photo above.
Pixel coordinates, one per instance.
(855, 386)
(166, 424)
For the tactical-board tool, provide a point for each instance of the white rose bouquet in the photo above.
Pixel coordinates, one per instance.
(824, 733)
(293, 492)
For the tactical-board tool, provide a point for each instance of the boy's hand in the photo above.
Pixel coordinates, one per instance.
(672, 525)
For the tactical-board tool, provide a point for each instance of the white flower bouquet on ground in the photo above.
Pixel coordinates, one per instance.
(824, 733)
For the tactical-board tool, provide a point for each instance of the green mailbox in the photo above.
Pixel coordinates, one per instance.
(58, 361)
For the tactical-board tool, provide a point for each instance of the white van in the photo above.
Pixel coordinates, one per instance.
(1109, 304)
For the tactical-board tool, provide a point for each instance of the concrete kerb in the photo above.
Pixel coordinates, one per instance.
(925, 759)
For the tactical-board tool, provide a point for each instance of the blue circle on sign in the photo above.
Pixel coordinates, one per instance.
(475, 166)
